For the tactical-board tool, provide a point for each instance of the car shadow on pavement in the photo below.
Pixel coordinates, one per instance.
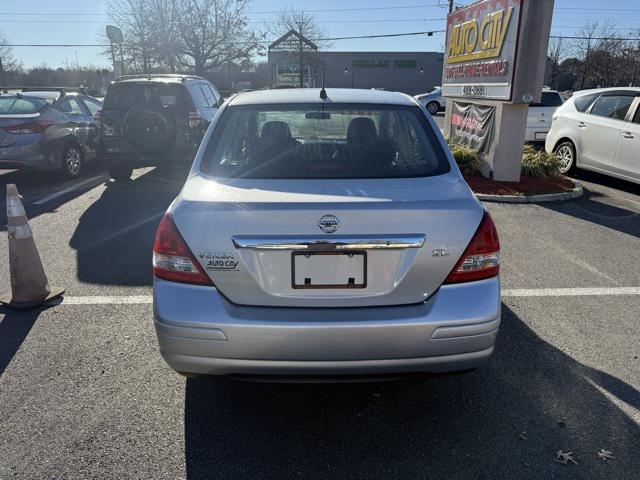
(114, 236)
(597, 207)
(15, 325)
(31, 183)
(505, 420)
(607, 181)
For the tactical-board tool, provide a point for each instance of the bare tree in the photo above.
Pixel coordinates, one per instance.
(215, 32)
(302, 22)
(135, 18)
(167, 31)
(306, 26)
(601, 37)
(7, 60)
(557, 50)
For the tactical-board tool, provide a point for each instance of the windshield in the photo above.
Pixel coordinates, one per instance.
(339, 141)
(435, 91)
(21, 105)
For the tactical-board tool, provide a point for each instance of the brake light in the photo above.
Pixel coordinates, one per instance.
(194, 118)
(481, 259)
(26, 128)
(97, 118)
(172, 259)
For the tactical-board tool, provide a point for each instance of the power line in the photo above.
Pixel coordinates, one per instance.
(600, 9)
(621, 39)
(382, 20)
(320, 10)
(266, 42)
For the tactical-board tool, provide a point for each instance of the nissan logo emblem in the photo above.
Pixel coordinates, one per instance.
(329, 223)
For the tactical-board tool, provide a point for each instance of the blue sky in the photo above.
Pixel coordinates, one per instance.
(19, 22)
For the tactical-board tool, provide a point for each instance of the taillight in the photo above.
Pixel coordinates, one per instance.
(481, 259)
(172, 259)
(97, 118)
(26, 128)
(194, 118)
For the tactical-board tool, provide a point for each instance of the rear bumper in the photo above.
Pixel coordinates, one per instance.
(201, 332)
(27, 157)
(536, 134)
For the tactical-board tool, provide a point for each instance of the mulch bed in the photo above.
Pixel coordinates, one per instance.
(526, 186)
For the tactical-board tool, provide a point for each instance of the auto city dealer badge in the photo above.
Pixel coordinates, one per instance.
(219, 260)
(329, 223)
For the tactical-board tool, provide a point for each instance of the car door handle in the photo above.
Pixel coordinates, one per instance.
(626, 134)
(581, 124)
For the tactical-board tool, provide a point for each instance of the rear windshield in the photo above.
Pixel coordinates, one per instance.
(123, 96)
(549, 99)
(17, 105)
(324, 141)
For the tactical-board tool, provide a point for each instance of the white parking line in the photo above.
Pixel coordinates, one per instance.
(108, 300)
(507, 293)
(570, 292)
(71, 188)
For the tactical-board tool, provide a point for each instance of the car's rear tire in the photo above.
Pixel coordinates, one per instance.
(433, 107)
(120, 174)
(72, 160)
(566, 153)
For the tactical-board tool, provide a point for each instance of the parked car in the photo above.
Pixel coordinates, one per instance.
(432, 101)
(325, 233)
(47, 129)
(540, 114)
(599, 130)
(154, 120)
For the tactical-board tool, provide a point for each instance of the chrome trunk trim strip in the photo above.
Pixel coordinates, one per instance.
(335, 242)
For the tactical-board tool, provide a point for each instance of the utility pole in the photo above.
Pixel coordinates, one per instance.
(301, 53)
(450, 6)
(585, 71)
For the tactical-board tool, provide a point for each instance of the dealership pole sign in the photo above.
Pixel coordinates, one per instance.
(481, 50)
(494, 67)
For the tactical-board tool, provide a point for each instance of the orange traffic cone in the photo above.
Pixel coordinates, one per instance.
(29, 285)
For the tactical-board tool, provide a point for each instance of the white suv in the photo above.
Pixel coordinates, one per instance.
(599, 130)
(540, 114)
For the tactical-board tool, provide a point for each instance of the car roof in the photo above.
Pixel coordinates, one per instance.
(609, 89)
(159, 78)
(48, 95)
(312, 95)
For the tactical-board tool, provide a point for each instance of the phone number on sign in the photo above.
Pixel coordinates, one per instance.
(474, 90)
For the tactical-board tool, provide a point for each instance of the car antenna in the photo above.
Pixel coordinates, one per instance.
(323, 92)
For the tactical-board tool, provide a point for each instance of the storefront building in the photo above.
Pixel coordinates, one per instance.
(408, 72)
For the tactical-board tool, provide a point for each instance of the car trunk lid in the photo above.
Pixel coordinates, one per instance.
(266, 242)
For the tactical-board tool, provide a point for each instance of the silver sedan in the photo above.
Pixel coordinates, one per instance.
(325, 234)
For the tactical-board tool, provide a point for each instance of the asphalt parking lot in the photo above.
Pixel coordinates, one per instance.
(85, 394)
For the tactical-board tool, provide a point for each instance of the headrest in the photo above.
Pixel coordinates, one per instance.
(361, 130)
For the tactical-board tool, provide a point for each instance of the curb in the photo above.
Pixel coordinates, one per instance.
(547, 197)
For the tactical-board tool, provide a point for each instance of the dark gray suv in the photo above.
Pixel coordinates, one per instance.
(154, 120)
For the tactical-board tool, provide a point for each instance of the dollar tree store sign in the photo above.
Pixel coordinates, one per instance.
(481, 50)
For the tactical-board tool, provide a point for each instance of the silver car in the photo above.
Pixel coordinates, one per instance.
(325, 234)
(432, 101)
(47, 129)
